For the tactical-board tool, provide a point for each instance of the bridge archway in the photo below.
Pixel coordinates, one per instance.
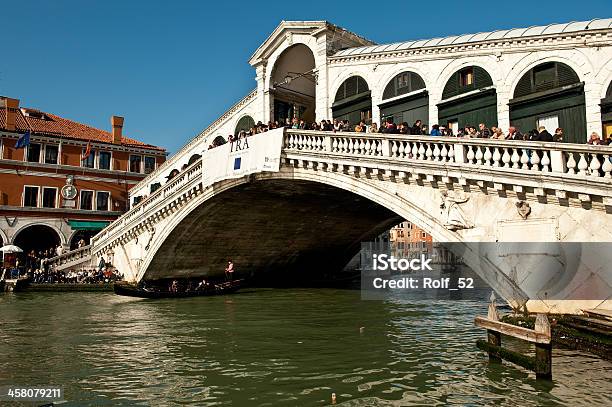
(279, 221)
(37, 237)
(405, 99)
(468, 98)
(293, 85)
(550, 94)
(353, 101)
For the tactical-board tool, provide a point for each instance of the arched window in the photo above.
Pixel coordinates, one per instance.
(410, 108)
(353, 86)
(550, 95)
(353, 101)
(403, 83)
(466, 80)
(219, 141)
(461, 106)
(245, 123)
(546, 76)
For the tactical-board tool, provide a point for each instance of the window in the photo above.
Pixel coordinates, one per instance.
(137, 200)
(49, 197)
(104, 160)
(423, 235)
(30, 196)
(102, 201)
(87, 200)
(51, 154)
(466, 77)
(402, 80)
(89, 161)
(544, 76)
(149, 164)
(135, 161)
(34, 153)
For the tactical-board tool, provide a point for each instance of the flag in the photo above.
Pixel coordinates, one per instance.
(87, 152)
(23, 141)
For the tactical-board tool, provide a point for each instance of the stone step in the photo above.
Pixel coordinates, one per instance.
(602, 314)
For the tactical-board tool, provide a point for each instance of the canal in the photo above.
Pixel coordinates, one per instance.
(269, 347)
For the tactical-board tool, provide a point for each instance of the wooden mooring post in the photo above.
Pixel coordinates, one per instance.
(540, 336)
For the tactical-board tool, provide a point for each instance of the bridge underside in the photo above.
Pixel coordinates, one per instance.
(295, 230)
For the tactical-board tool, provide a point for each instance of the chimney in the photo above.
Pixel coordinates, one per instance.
(117, 123)
(12, 106)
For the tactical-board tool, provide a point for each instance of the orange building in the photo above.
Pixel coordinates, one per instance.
(69, 182)
(408, 236)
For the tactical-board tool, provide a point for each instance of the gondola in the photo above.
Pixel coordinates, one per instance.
(131, 290)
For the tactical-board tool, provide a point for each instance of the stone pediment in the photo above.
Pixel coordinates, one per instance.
(338, 38)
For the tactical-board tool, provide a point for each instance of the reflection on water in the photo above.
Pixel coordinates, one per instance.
(272, 347)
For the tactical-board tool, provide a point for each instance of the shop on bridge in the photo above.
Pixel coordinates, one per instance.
(468, 98)
(550, 95)
(405, 99)
(353, 101)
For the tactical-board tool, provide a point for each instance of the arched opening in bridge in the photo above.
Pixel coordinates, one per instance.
(82, 237)
(353, 101)
(290, 230)
(468, 99)
(37, 238)
(550, 95)
(606, 112)
(293, 84)
(405, 99)
(245, 123)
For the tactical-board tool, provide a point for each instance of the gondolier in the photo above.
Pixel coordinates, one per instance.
(229, 270)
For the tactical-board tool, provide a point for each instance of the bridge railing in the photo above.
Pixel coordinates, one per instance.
(566, 158)
(188, 176)
(82, 253)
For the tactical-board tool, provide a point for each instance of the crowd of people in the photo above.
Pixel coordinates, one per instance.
(417, 128)
(36, 268)
(80, 276)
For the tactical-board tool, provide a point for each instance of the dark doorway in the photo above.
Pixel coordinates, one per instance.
(38, 238)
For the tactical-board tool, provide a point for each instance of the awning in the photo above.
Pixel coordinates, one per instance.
(88, 224)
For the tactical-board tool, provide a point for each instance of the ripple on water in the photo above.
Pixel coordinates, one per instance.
(271, 347)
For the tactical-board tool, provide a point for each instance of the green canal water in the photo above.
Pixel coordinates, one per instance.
(267, 347)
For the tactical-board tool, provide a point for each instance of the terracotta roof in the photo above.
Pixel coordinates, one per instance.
(50, 125)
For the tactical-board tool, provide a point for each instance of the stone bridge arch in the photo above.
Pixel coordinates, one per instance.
(387, 207)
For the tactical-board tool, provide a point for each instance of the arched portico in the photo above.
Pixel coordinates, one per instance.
(293, 85)
(405, 99)
(38, 237)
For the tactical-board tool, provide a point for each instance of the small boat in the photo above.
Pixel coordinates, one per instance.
(131, 290)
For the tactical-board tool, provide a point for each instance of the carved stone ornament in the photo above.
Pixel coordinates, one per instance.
(453, 217)
(523, 209)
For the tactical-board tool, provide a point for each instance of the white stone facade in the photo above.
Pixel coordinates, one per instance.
(505, 55)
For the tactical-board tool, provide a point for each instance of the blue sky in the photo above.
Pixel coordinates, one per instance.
(172, 67)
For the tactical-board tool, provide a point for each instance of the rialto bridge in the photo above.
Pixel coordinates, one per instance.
(328, 192)
(334, 190)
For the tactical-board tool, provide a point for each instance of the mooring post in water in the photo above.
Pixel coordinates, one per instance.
(493, 337)
(543, 351)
